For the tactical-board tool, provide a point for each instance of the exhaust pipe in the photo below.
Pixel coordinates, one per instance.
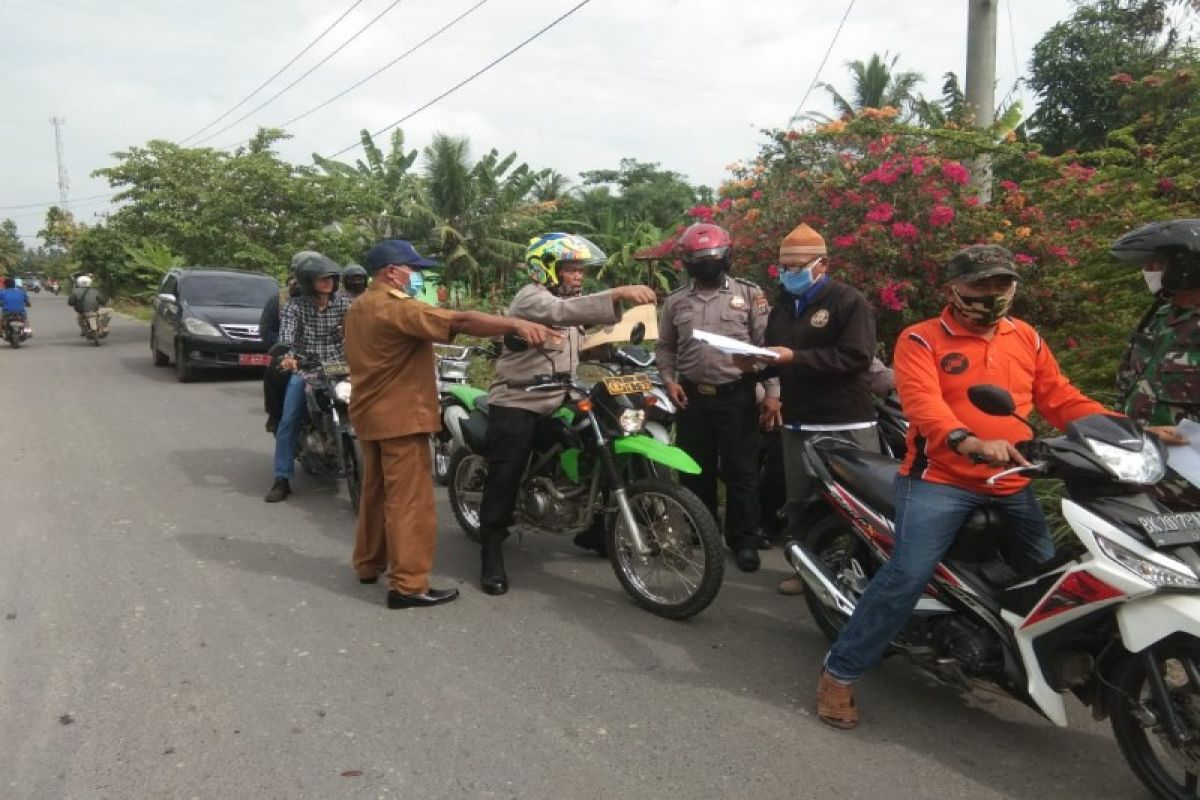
(817, 579)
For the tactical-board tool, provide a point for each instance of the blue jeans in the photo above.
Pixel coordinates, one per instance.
(928, 516)
(289, 428)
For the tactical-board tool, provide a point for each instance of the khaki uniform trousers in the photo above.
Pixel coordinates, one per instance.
(397, 520)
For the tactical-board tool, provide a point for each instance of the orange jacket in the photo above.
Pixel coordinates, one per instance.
(936, 361)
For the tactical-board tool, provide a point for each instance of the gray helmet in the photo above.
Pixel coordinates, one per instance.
(1176, 242)
(313, 266)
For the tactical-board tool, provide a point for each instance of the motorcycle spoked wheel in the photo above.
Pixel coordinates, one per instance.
(467, 475)
(684, 572)
(354, 468)
(1137, 724)
(844, 554)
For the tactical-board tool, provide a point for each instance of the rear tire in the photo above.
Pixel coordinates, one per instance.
(653, 501)
(467, 476)
(1165, 772)
(834, 542)
(352, 451)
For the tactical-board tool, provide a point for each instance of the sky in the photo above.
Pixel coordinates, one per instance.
(685, 83)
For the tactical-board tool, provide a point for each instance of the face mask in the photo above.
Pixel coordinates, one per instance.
(416, 284)
(796, 282)
(706, 271)
(984, 309)
(1153, 280)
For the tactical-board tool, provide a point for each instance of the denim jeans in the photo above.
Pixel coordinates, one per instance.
(928, 516)
(289, 428)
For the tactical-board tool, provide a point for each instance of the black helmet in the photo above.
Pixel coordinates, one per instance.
(352, 270)
(1175, 242)
(314, 266)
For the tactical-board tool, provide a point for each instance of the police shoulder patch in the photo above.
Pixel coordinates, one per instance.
(399, 295)
(751, 284)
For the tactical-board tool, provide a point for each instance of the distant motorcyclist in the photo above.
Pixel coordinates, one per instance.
(311, 325)
(354, 281)
(14, 300)
(556, 263)
(86, 299)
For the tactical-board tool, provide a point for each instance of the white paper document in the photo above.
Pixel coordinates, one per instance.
(732, 346)
(1185, 458)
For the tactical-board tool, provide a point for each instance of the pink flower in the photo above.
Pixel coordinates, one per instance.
(1166, 185)
(702, 212)
(1023, 258)
(1079, 172)
(1074, 224)
(1122, 78)
(756, 195)
(905, 231)
(971, 201)
(844, 241)
(892, 296)
(941, 215)
(773, 272)
(917, 165)
(1072, 343)
(725, 204)
(1058, 251)
(881, 212)
(1009, 186)
(956, 172)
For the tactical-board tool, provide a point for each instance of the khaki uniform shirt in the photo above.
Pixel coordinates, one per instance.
(538, 304)
(737, 309)
(389, 347)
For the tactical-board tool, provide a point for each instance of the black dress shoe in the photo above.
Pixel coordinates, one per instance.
(746, 557)
(279, 491)
(432, 597)
(492, 577)
(369, 580)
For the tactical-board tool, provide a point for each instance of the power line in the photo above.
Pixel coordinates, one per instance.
(303, 75)
(282, 69)
(466, 80)
(49, 203)
(828, 51)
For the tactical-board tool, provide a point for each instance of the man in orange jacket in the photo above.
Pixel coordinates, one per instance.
(936, 361)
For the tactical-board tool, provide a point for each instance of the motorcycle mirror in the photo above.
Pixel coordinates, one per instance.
(515, 343)
(638, 333)
(992, 400)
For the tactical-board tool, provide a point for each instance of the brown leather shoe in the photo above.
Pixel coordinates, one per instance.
(835, 702)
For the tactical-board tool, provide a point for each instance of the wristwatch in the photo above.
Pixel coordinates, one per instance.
(956, 437)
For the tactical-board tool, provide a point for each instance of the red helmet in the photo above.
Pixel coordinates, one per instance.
(705, 241)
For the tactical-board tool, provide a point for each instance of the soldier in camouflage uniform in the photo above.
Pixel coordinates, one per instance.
(1159, 377)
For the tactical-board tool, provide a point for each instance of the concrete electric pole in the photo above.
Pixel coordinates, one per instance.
(980, 91)
(64, 185)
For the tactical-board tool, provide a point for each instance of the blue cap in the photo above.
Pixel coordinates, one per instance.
(395, 251)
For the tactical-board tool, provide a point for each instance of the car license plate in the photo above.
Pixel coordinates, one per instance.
(1172, 529)
(627, 384)
(254, 359)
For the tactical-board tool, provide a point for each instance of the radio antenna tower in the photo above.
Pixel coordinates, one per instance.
(64, 185)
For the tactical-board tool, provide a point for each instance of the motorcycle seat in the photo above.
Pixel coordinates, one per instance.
(482, 405)
(869, 475)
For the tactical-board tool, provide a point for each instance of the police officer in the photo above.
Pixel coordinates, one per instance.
(389, 346)
(1159, 376)
(718, 419)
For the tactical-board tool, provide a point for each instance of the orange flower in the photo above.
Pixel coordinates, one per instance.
(1023, 232)
(997, 236)
(836, 126)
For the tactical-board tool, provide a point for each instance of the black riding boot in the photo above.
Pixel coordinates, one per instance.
(492, 577)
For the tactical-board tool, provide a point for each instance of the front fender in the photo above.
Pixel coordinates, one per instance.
(1145, 622)
(653, 449)
(467, 395)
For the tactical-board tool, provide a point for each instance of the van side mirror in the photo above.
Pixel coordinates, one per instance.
(992, 400)
(166, 297)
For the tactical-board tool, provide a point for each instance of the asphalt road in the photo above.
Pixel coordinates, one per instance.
(167, 634)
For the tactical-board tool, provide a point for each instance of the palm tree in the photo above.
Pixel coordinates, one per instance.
(875, 84)
(552, 186)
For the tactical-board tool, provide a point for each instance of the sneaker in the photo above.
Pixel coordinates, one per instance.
(792, 586)
(279, 491)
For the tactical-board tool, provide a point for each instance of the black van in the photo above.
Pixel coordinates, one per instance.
(208, 319)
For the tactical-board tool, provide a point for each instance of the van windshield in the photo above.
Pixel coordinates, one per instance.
(248, 291)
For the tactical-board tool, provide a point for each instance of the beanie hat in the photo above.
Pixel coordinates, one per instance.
(802, 241)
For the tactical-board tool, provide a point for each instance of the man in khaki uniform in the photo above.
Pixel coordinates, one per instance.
(556, 263)
(718, 419)
(394, 407)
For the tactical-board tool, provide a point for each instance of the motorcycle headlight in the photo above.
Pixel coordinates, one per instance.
(1144, 467)
(1178, 577)
(198, 327)
(341, 391)
(632, 421)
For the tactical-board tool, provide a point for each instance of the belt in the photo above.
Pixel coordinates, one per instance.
(713, 389)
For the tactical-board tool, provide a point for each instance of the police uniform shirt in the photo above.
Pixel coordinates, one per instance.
(389, 347)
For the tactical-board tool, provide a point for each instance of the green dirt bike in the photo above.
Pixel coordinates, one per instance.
(592, 465)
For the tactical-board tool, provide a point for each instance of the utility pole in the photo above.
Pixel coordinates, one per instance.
(64, 185)
(980, 91)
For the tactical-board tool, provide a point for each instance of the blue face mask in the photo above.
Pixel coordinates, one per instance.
(416, 284)
(796, 282)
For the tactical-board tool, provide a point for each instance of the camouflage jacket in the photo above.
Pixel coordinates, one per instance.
(1159, 377)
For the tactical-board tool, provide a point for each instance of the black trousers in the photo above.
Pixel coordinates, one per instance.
(509, 442)
(721, 432)
(275, 383)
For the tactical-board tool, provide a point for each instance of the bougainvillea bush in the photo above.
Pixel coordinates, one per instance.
(894, 202)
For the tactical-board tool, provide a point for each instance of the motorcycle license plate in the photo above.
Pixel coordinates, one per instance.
(254, 359)
(1172, 529)
(627, 384)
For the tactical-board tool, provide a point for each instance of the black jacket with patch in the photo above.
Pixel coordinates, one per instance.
(834, 341)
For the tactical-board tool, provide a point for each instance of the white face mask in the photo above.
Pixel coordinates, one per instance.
(1153, 280)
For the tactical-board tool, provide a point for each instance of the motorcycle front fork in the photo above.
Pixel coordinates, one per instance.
(608, 463)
